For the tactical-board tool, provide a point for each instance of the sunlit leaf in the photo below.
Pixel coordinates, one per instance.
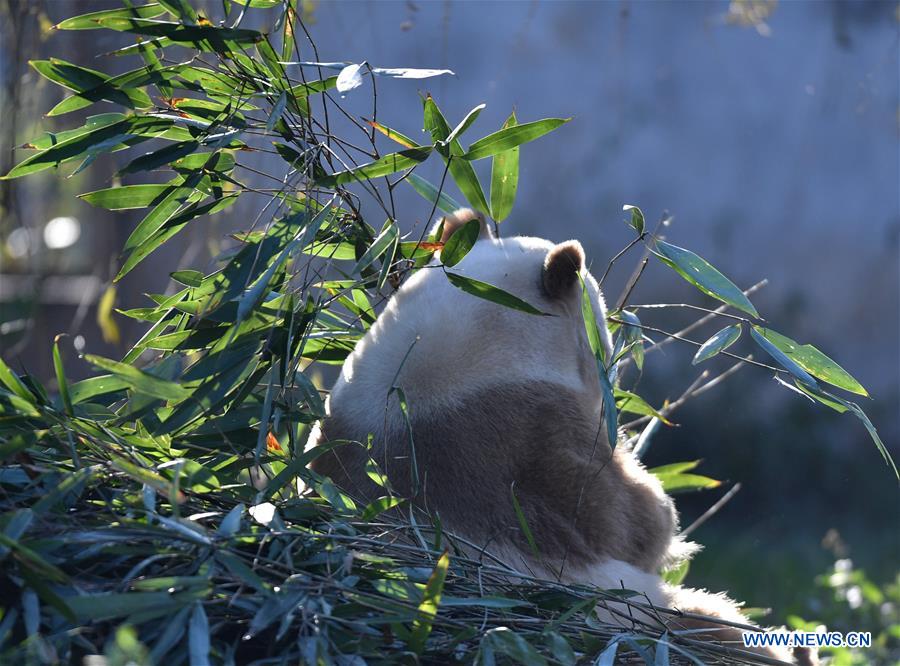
(783, 359)
(127, 197)
(675, 478)
(504, 177)
(813, 361)
(632, 403)
(717, 343)
(428, 608)
(384, 166)
(140, 381)
(91, 21)
(512, 136)
(636, 220)
(460, 242)
(702, 275)
(491, 293)
(431, 194)
(461, 171)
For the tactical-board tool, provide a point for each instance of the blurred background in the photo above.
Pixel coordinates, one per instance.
(768, 131)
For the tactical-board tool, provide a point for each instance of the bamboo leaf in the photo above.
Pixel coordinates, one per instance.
(198, 637)
(14, 384)
(140, 128)
(428, 608)
(61, 378)
(431, 194)
(780, 357)
(717, 343)
(393, 135)
(636, 221)
(504, 177)
(459, 244)
(511, 137)
(139, 381)
(384, 166)
(702, 275)
(126, 197)
(813, 361)
(91, 21)
(632, 403)
(461, 171)
(523, 522)
(491, 293)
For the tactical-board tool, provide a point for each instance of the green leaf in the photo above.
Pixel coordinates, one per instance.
(756, 332)
(634, 337)
(393, 134)
(91, 85)
(164, 209)
(596, 343)
(504, 177)
(702, 275)
(95, 386)
(674, 477)
(386, 165)
(139, 381)
(637, 218)
(198, 636)
(61, 378)
(513, 136)
(560, 648)
(188, 278)
(590, 324)
(608, 656)
(139, 128)
(14, 384)
(491, 293)
(203, 37)
(172, 227)
(218, 161)
(100, 607)
(508, 642)
(459, 244)
(388, 237)
(126, 197)
(430, 193)
(523, 522)
(428, 608)
(160, 157)
(813, 361)
(50, 139)
(465, 123)
(91, 21)
(675, 575)
(717, 343)
(379, 506)
(462, 172)
(632, 403)
(181, 9)
(277, 111)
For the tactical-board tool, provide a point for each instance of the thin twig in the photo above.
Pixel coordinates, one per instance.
(713, 510)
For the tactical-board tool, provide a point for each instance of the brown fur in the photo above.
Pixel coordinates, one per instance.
(581, 501)
(561, 268)
(458, 218)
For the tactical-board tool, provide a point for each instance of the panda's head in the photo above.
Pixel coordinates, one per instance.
(438, 341)
(562, 264)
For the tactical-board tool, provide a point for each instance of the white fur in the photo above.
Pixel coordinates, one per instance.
(455, 344)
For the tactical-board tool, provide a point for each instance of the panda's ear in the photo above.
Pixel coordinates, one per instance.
(457, 219)
(562, 266)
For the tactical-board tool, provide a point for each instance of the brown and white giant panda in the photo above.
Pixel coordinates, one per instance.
(499, 398)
